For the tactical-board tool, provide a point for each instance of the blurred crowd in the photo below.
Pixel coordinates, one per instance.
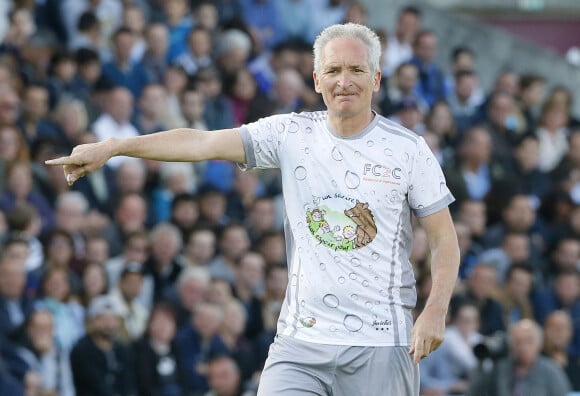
(166, 279)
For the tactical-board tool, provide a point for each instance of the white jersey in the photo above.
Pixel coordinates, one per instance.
(348, 224)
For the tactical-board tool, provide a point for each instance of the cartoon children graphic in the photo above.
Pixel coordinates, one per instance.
(349, 234)
(314, 219)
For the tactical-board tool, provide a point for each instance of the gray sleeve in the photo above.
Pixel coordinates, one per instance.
(248, 148)
(428, 192)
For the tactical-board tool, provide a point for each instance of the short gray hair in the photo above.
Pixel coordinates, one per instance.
(351, 30)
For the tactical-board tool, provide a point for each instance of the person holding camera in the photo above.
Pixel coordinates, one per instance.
(524, 372)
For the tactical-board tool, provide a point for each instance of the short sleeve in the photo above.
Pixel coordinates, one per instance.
(428, 192)
(262, 140)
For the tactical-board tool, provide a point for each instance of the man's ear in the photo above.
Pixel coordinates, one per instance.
(316, 83)
(377, 81)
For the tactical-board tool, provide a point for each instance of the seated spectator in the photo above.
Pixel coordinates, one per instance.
(400, 43)
(56, 297)
(121, 70)
(563, 293)
(38, 352)
(248, 104)
(101, 366)
(190, 289)
(223, 375)
(152, 110)
(178, 19)
(514, 250)
(552, 133)
(200, 247)
(197, 342)
(240, 347)
(13, 148)
(439, 120)
(431, 84)
(525, 371)
(514, 293)
(61, 81)
(474, 174)
(157, 367)
(530, 96)
(15, 307)
(233, 243)
(23, 223)
(525, 175)
(115, 121)
(19, 187)
(93, 283)
(163, 264)
(481, 287)
(557, 338)
(197, 55)
(218, 112)
(124, 298)
(34, 121)
(464, 104)
(154, 59)
(446, 370)
(272, 246)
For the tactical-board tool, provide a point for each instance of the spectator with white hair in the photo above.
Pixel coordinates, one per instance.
(71, 209)
(163, 264)
(190, 289)
(232, 51)
(524, 371)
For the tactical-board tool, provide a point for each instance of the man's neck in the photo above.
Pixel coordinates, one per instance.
(350, 126)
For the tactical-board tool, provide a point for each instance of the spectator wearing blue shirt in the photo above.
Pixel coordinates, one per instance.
(197, 343)
(261, 16)
(431, 85)
(121, 70)
(180, 23)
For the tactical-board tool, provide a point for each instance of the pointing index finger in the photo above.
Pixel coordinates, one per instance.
(60, 161)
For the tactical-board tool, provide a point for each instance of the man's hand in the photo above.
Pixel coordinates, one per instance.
(84, 159)
(427, 334)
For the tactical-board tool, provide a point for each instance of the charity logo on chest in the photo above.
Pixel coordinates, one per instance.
(341, 223)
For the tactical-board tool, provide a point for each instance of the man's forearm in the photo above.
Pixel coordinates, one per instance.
(180, 145)
(444, 270)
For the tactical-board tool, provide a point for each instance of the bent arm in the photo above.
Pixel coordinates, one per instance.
(429, 329)
(444, 249)
(176, 145)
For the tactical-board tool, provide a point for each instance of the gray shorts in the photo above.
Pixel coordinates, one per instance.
(296, 367)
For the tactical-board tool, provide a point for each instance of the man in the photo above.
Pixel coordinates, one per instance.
(524, 372)
(38, 353)
(328, 324)
(100, 365)
(15, 306)
(125, 301)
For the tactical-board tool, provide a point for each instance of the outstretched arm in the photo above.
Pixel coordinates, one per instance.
(429, 329)
(176, 145)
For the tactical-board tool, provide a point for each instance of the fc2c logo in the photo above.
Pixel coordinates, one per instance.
(378, 170)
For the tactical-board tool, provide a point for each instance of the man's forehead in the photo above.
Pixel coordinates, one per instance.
(342, 50)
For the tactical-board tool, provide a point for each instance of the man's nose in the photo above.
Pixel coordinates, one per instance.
(344, 78)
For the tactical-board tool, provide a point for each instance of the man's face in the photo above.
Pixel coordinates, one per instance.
(426, 48)
(41, 331)
(12, 278)
(525, 344)
(345, 80)
(106, 325)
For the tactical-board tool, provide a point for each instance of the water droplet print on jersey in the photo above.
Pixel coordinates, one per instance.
(339, 228)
